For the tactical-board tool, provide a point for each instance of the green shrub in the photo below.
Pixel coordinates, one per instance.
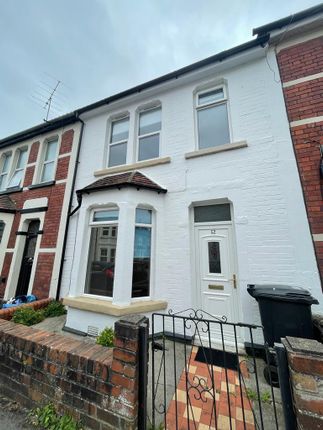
(106, 337)
(47, 418)
(54, 309)
(27, 316)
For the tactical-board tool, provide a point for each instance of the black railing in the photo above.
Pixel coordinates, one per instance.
(201, 374)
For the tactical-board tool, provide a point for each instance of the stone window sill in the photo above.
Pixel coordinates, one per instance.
(108, 308)
(134, 166)
(11, 190)
(216, 149)
(41, 185)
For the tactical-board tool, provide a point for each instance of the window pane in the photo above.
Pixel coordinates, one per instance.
(150, 121)
(143, 216)
(213, 126)
(212, 213)
(148, 147)
(22, 159)
(2, 225)
(6, 161)
(108, 215)
(141, 262)
(16, 179)
(51, 150)
(100, 268)
(214, 257)
(211, 96)
(120, 130)
(48, 172)
(3, 179)
(118, 154)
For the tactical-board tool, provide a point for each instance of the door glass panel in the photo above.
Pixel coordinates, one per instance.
(212, 213)
(214, 257)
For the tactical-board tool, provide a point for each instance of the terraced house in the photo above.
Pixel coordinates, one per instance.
(36, 178)
(192, 192)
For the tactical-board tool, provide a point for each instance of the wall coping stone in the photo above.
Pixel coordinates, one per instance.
(305, 346)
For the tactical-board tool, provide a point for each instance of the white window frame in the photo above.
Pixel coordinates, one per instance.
(198, 107)
(14, 168)
(93, 224)
(126, 141)
(43, 162)
(5, 174)
(152, 254)
(139, 112)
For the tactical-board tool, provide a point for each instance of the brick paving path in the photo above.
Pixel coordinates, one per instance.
(201, 408)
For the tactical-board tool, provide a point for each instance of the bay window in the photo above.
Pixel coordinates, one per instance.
(102, 251)
(149, 134)
(142, 253)
(212, 118)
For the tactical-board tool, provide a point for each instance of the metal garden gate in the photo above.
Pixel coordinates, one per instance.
(203, 377)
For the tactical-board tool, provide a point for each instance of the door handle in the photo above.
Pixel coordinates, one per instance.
(234, 280)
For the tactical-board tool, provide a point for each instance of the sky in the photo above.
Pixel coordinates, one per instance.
(96, 48)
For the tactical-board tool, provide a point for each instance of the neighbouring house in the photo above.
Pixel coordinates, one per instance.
(36, 180)
(188, 190)
(298, 42)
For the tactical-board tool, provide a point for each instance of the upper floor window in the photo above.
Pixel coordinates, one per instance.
(149, 134)
(50, 156)
(102, 252)
(2, 226)
(18, 173)
(5, 164)
(118, 142)
(212, 118)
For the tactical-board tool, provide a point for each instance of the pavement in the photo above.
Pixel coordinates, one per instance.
(13, 416)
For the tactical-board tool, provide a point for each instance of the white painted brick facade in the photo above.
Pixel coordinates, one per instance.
(273, 241)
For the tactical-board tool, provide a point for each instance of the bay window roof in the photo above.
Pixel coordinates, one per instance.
(129, 179)
(6, 204)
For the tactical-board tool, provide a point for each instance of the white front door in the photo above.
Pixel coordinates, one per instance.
(216, 277)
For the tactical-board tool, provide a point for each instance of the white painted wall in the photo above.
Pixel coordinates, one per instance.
(272, 236)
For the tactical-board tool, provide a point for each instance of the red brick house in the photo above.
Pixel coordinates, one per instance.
(298, 40)
(37, 171)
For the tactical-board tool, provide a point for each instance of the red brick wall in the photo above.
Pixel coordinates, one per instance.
(92, 383)
(43, 275)
(305, 359)
(67, 142)
(303, 101)
(62, 168)
(55, 195)
(33, 152)
(301, 59)
(5, 272)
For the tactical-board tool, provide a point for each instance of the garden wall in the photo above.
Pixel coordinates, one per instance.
(305, 359)
(92, 383)
(6, 314)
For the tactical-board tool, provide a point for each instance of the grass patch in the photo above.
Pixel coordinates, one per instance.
(47, 418)
(54, 309)
(27, 316)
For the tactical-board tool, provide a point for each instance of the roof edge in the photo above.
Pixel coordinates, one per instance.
(45, 127)
(306, 13)
(74, 116)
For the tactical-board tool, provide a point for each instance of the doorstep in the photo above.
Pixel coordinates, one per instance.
(108, 308)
